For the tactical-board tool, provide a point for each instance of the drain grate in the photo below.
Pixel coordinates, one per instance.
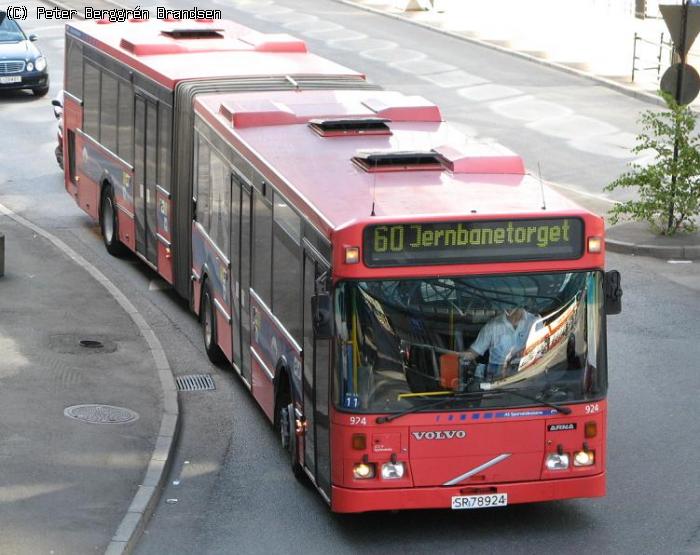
(195, 382)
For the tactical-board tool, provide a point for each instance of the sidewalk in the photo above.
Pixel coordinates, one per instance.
(594, 37)
(66, 484)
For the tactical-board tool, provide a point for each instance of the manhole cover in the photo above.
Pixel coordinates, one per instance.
(101, 414)
(195, 382)
(91, 344)
(82, 344)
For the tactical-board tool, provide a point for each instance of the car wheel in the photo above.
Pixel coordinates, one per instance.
(41, 91)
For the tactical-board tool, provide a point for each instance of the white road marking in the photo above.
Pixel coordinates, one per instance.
(572, 127)
(529, 108)
(323, 26)
(419, 67)
(390, 53)
(457, 78)
(359, 43)
(480, 93)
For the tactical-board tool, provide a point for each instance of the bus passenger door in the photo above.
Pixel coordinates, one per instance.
(316, 384)
(240, 273)
(145, 156)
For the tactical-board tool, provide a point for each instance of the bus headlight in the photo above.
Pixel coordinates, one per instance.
(584, 458)
(40, 63)
(556, 461)
(363, 471)
(393, 471)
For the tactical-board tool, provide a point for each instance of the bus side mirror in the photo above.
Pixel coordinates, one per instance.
(321, 312)
(612, 289)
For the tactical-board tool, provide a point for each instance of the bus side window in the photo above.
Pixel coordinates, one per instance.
(220, 202)
(74, 68)
(91, 102)
(286, 267)
(164, 147)
(262, 248)
(202, 185)
(125, 112)
(109, 101)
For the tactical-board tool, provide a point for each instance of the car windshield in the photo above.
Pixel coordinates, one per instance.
(401, 342)
(10, 31)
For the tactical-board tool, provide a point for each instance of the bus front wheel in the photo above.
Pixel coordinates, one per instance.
(109, 223)
(287, 429)
(208, 319)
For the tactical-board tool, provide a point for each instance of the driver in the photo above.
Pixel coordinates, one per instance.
(505, 337)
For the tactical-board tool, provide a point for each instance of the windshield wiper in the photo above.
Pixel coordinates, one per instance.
(563, 410)
(442, 400)
(470, 395)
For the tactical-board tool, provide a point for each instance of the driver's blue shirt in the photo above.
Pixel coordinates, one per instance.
(502, 340)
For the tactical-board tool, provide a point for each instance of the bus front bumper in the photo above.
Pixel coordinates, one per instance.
(346, 500)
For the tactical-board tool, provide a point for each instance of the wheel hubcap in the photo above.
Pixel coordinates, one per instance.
(207, 321)
(284, 427)
(108, 220)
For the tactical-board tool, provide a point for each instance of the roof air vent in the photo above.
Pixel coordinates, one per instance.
(345, 127)
(396, 161)
(195, 33)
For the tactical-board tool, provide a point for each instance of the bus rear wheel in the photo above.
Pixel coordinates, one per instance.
(109, 223)
(209, 332)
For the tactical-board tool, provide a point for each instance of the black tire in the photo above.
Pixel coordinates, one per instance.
(59, 156)
(288, 437)
(109, 223)
(209, 333)
(41, 91)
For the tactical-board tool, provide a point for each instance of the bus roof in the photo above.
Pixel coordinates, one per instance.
(329, 179)
(172, 51)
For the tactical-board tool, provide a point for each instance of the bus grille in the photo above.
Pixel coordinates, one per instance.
(11, 66)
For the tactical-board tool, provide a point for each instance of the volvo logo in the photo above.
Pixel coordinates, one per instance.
(442, 434)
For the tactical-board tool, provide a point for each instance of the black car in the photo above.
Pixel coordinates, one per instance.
(22, 65)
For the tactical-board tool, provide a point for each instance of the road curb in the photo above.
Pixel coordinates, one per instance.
(144, 501)
(655, 251)
(609, 83)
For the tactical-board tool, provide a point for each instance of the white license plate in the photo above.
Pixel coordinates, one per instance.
(8, 80)
(479, 501)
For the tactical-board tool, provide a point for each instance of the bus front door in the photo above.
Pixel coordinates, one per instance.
(316, 383)
(145, 158)
(240, 273)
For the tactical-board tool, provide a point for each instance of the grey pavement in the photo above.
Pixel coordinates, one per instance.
(66, 484)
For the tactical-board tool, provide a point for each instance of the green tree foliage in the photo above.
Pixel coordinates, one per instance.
(669, 186)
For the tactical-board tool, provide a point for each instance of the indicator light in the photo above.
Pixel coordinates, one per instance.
(595, 244)
(363, 471)
(359, 442)
(591, 429)
(352, 255)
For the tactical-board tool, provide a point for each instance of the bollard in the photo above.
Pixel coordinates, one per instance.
(2, 255)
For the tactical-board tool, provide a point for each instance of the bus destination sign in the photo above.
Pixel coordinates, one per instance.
(435, 243)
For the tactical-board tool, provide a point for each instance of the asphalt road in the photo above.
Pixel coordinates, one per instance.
(231, 490)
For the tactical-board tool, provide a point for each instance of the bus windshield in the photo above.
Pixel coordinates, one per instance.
(400, 342)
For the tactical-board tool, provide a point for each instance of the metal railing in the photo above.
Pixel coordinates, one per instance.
(636, 59)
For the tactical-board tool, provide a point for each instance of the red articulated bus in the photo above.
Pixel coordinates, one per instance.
(422, 320)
